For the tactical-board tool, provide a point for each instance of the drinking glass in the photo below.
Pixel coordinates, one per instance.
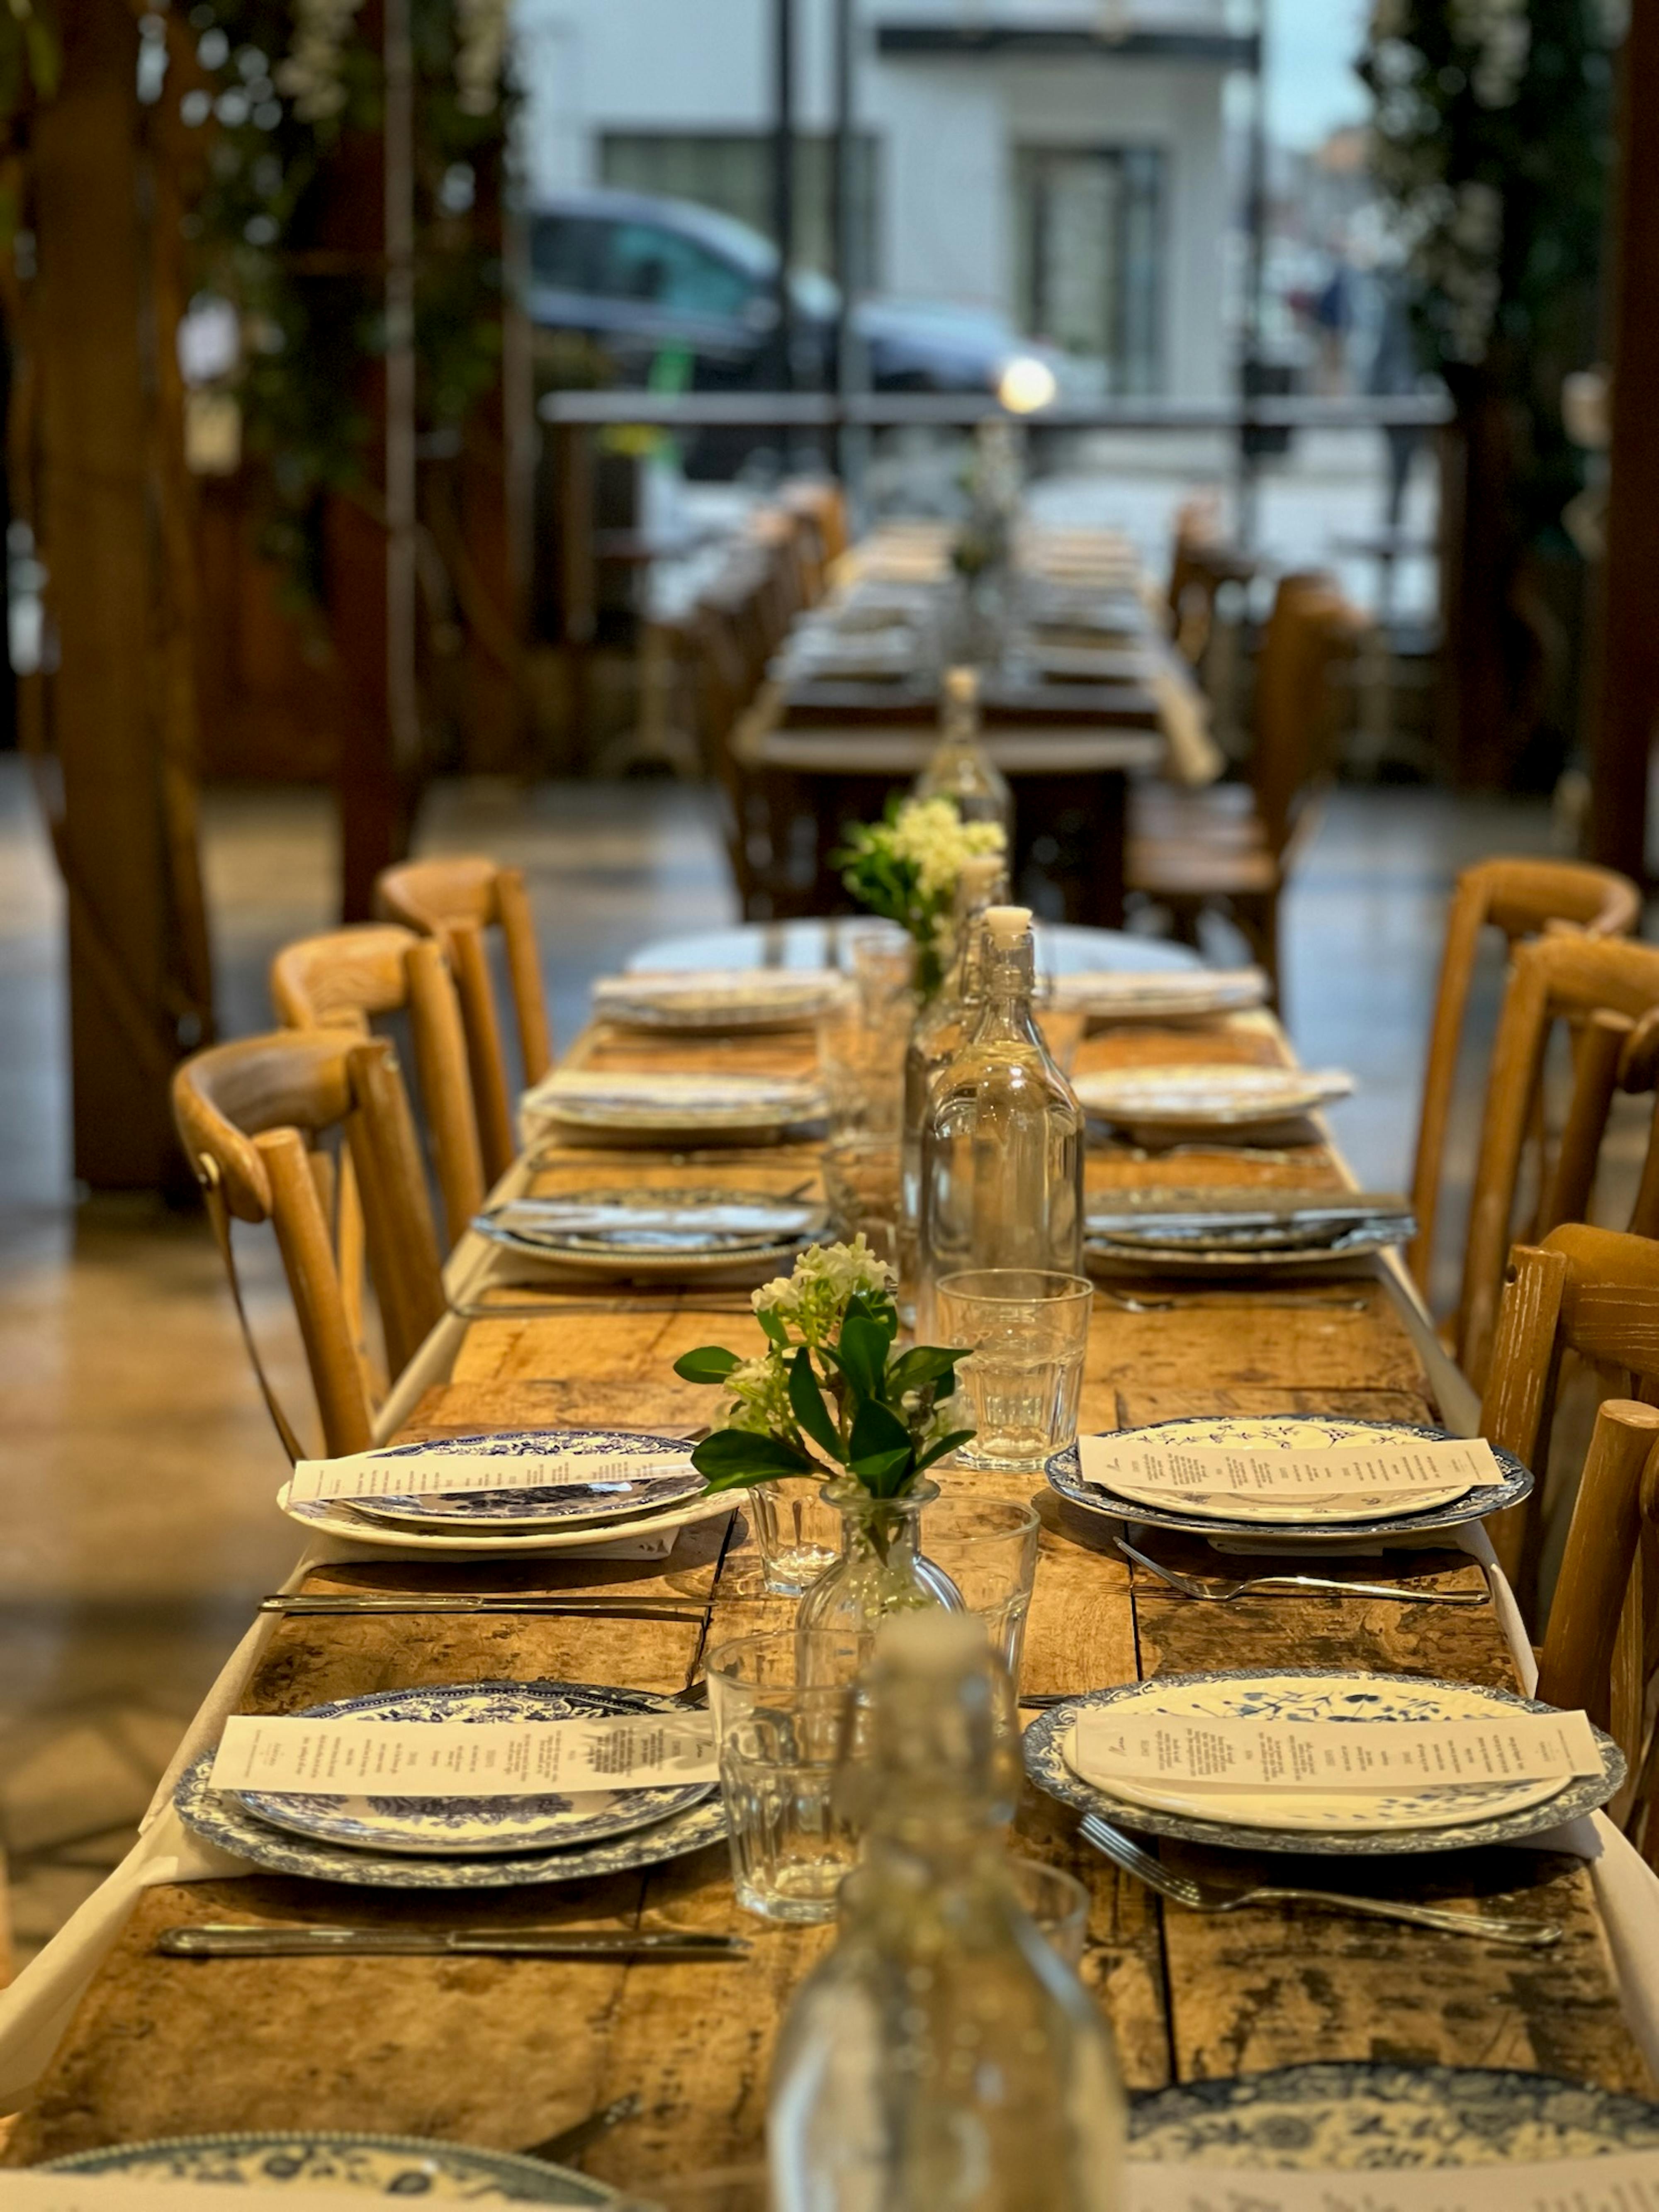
(799, 1536)
(861, 1062)
(861, 1184)
(988, 1547)
(1028, 1330)
(881, 959)
(1057, 1902)
(783, 1708)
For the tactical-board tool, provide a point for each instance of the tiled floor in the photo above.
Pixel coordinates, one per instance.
(137, 1466)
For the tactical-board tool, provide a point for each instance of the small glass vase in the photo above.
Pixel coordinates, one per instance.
(880, 1569)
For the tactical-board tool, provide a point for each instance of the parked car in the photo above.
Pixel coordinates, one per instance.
(632, 277)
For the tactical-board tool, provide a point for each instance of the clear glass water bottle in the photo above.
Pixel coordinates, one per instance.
(1002, 1141)
(943, 2058)
(936, 1036)
(960, 769)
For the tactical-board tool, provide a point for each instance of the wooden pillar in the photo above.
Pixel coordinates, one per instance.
(1628, 686)
(123, 821)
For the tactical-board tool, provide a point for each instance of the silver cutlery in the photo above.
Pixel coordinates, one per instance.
(558, 2149)
(234, 1939)
(1212, 1897)
(1222, 1591)
(325, 1604)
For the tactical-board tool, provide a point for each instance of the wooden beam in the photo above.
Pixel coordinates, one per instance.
(1629, 671)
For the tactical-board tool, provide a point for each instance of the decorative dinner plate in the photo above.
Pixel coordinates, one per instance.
(217, 1815)
(1392, 1517)
(551, 1505)
(1347, 2116)
(1441, 1820)
(1106, 1257)
(720, 999)
(1158, 995)
(652, 1233)
(1208, 1094)
(472, 1827)
(630, 1105)
(379, 2165)
(341, 1519)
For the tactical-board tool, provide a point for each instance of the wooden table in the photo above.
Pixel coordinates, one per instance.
(503, 2051)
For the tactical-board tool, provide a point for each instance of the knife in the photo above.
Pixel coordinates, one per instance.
(236, 1940)
(346, 1604)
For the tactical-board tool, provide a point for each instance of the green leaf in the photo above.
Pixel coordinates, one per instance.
(864, 1346)
(945, 1444)
(806, 1399)
(876, 1473)
(708, 1363)
(732, 1456)
(776, 1328)
(876, 1428)
(926, 1363)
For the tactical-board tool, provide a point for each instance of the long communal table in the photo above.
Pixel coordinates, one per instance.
(502, 2052)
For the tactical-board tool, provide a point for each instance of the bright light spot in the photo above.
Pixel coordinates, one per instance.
(1026, 385)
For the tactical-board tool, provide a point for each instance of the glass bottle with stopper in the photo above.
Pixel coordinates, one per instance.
(1002, 1141)
(961, 769)
(935, 1037)
(943, 2055)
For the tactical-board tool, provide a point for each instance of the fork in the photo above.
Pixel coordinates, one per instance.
(1223, 1591)
(1204, 1897)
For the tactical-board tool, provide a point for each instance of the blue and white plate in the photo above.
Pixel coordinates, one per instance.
(1346, 2117)
(223, 1818)
(470, 1827)
(1437, 1820)
(378, 2166)
(552, 1505)
(1290, 1432)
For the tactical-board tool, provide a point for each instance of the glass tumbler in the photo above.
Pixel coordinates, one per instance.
(1027, 1329)
(1057, 1902)
(783, 1708)
(861, 1065)
(798, 1535)
(861, 1185)
(988, 1548)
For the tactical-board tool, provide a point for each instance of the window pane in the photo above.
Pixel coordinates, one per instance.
(732, 171)
(669, 270)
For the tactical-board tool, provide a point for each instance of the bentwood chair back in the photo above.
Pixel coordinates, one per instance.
(1521, 898)
(349, 976)
(1593, 1293)
(459, 900)
(257, 1119)
(1601, 987)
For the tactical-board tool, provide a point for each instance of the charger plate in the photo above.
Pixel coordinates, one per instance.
(333, 1516)
(549, 1506)
(1315, 1693)
(378, 2165)
(1347, 2116)
(470, 1827)
(656, 1234)
(1289, 1432)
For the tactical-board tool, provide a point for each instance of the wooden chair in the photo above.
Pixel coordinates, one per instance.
(456, 899)
(824, 502)
(1215, 850)
(257, 1119)
(1603, 987)
(349, 976)
(1521, 898)
(1593, 1293)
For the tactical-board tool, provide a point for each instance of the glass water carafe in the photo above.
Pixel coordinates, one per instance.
(943, 2058)
(1002, 1141)
(960, 769)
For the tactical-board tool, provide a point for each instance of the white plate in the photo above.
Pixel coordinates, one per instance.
(718, 997)
(1277, 1432)
(651, 1235)
(1180, 994)
(1343, 1697)
(1202, 1095)
(669, 1105)
(331, 1514)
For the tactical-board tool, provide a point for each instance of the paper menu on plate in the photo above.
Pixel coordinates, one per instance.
(357, 1757)
(1130, 1463)
(1624, 2181)
(1257, 1752)
(425, 1474)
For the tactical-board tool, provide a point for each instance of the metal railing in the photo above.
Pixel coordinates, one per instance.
(946, 411)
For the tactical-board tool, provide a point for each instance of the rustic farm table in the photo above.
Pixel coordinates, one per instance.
(502, 2052)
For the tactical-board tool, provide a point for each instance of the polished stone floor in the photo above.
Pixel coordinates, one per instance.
(136, 1465)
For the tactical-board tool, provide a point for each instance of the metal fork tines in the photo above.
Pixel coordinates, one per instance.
(1184, 1889)
(1222, 1591)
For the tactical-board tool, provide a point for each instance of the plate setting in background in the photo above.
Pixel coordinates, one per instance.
(718, 999)
(467, 1827)
(1289, 1432)
(629, 1106)
(647, 1233)
(217, 1815)
(402, 2167)
(1208, 1094)
(1316, 1694)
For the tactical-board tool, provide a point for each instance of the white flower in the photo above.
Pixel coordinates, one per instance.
(826, 1279)
(310, 74)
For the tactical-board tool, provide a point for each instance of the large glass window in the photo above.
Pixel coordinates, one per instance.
(732, 171)
(643, 262)
(1089, 256)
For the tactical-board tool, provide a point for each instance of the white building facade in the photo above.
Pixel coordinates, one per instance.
(1057, 161)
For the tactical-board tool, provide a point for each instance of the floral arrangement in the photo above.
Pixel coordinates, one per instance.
(905, 868)
(827, 1396)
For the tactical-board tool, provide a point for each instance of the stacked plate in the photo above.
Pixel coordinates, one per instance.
(1159, 994)
(1292, 1818)
(1341, 1516)
(662, 1234)
(548, 1518)
(309, 2158)
(459, 1843)
(718, 999)
(1205, 1232)
(1220, 1098)
(630, 1106)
